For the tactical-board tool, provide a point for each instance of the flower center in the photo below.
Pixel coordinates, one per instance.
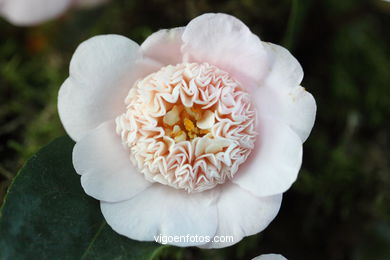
(188, 126)
(184, 123)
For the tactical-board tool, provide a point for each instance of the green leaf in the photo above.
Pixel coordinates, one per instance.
(47, 215)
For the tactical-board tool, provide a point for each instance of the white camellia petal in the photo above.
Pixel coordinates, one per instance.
(226, 42)
(282, 97)
(102, 71)
(242, 214)
(294, 106)
(31, 12)
(105, 167)
(164, 46)
(270, 257)
(285, 70)
(273, 165)
(162, 210)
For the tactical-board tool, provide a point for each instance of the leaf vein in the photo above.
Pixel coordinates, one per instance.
(93, 240)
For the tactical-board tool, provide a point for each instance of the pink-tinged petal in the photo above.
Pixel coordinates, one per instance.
(274, 164)
(226, 42)
(282, 97)
(285, 70)
(270, 257)
(164, 46)
(242, 214)
(165, 211)
(25, 13)
(104, 164)
(102, 71)
(294, 106)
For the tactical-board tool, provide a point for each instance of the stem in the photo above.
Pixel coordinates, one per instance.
(291, 30)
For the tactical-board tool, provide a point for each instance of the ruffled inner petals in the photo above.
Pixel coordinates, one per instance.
(188, 126)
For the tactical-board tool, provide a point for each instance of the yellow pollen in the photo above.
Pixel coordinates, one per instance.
(187, 128)
(204, 131)
(192, 135)
(180, 132)
(189, 125)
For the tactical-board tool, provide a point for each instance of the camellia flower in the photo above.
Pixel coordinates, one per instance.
(32, 12)
(270, 257)
(195, 133)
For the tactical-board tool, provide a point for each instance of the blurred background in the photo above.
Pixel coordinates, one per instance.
(340, 206)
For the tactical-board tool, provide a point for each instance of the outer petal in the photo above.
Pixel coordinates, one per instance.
(22, 12)
(285, 70)
(164, 46)
(282, 97)
(226, 42)
(274, 164)
(162, 210)
(241, 214)
(294, 106)
(102, 71)
(270, 257)
(107, 173)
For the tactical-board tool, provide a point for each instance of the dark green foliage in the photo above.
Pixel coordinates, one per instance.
(339, 208)
(47, 215)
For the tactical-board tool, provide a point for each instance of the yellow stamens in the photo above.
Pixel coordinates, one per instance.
(188, 128)
(189, 125)
(204, 131)
(177, 133)
(192, 135)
